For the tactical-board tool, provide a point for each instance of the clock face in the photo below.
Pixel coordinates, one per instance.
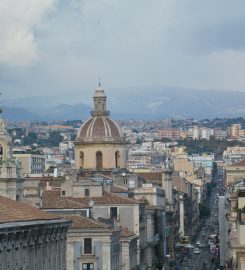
(91, 203)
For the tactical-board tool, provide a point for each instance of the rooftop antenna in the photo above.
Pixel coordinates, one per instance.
(99, 81)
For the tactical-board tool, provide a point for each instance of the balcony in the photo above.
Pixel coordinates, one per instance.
(89, 255)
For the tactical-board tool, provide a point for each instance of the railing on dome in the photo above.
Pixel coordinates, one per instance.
(101, 139)
(100, 113)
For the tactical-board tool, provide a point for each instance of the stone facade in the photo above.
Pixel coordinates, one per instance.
(10, 169)
(33, 245)
(92, 245)
(235, 173)
(31, 239)
(154, 224)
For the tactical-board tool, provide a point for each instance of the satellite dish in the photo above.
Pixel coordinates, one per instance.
(91, 203)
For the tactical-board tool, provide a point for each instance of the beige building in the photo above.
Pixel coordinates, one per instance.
(92, 245)
(234, 131)
(31, 163)
(100, 144)
(155, 223)
(184, 167)
(235, 173)
(125, 227)
(237, 232)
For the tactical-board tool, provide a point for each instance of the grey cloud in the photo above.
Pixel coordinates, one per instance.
(172, 42)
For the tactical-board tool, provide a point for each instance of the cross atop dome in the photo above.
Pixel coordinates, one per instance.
(99, 102)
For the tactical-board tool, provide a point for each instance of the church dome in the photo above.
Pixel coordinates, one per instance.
(100, 127)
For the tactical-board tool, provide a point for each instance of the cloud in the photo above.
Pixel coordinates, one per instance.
(63, 46)
(18, 19)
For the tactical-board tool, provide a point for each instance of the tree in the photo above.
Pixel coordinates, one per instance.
(55, 138)
(30, 138)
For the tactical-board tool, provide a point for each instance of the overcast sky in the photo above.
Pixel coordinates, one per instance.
(61, 47)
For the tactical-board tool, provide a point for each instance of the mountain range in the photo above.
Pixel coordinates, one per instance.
(135, 103)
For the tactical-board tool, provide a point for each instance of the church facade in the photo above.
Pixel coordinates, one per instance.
(100, 144)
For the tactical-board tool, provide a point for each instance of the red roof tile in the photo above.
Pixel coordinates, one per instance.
(79, 222)
(12, 211)
(52, 199)
(107, 198)
(239, 164)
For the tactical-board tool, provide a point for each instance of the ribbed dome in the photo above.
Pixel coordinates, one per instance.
(99, 129)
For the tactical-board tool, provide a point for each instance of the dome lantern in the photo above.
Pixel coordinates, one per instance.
(100, 102)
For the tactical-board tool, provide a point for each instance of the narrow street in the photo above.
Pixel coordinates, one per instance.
(205, 260)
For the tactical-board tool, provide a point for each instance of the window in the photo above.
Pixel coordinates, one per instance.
(86, 192)
(88, 266)
(63, 193)
(81, 159)
(87, 245)
(1, 150)
(125, 181)
(113, 212)
(99, 160)
(117, 159)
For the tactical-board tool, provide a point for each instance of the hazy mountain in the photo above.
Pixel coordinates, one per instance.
(19, 114)
(158, 102)
(68, 112)
(139, 103)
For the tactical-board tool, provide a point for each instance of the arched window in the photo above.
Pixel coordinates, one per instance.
(117, 159)
(81, 159)
(1, 151)
(99, 160)
(99, 105)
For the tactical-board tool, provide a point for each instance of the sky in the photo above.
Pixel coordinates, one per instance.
(61, 47)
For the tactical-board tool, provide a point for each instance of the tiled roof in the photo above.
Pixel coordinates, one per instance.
(79, 222)
(52, 199)
(108, 198)
(152, 177)
(239, 164)
(12, 211)
(117, 189)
